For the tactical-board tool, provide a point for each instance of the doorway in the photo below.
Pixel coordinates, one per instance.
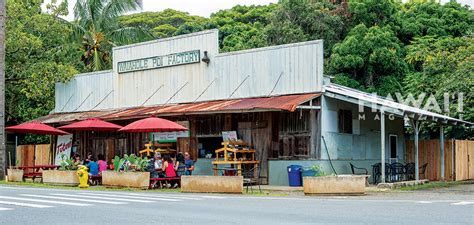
(393, 147)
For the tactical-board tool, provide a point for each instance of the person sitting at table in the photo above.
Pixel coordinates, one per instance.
(179, 165)
(102, 163)
(93, 167)
(77, 160)
(88, 159)
(151, 168)
(158, 162)
(168, 169)
(189, 164)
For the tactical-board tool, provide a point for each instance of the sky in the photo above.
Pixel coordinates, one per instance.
(204, 8)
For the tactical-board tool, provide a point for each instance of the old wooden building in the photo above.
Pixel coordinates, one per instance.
(275, 98)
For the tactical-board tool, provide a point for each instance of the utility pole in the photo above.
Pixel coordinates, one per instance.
(2, 91)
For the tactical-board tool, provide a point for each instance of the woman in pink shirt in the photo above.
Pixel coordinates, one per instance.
(102, 163)
(168, 168)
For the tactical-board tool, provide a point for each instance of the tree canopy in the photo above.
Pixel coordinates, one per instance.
(37, 56)
(97, 29)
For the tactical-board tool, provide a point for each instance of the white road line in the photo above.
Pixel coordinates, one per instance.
(44, 201)
(423, 202)
(145, 197)
(462, 203)
(25, 204)
(105, 198)
(164, 196)
(5, 209)
(76, 199)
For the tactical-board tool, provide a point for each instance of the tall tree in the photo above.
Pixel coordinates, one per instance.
(160, 24)
(304, 20)
(372, 56)
(37, 56)
(444, 66)
(420, 18)
(373, 12)
(96, 27)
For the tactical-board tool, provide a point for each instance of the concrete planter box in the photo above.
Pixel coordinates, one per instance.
(15, 175)
(335, 185)
(126, 179)
(60, 177)
(212, 184)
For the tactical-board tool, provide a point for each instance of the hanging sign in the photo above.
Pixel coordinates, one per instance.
(63, 147)
(229, 135)
(156, 62)
(172, 136)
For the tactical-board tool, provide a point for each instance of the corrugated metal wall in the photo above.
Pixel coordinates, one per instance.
(86, 91)
(135, 88)
(277, 70)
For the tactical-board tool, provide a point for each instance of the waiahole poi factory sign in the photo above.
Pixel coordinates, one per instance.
(159, 61)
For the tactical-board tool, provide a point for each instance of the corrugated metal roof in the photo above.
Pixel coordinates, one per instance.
(277, 103)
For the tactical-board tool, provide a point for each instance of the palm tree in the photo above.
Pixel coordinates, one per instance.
(96, 28)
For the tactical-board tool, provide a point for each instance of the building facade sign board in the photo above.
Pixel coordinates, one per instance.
(156, 62)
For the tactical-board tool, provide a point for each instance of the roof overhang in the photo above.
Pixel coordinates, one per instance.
(388, 106)
(263, 104)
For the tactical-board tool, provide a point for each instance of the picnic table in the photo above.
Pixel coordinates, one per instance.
(35, 171)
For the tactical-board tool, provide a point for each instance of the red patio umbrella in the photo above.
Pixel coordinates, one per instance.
(35, 127)
(92, 124)
(153, 124)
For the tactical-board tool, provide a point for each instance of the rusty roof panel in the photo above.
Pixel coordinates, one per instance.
(285, 102)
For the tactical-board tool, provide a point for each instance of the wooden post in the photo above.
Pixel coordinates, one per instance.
(314, 129)
(441, 145)
(382, 144)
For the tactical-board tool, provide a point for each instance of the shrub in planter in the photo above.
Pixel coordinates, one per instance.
(65, 175)
(129, 171)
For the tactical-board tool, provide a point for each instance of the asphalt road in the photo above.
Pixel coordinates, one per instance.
(23, 205)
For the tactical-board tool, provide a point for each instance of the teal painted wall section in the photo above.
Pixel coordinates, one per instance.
(278, 174)
(203, 167)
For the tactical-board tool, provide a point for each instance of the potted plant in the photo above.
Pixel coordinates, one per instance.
(129, 171)
(322, 184)
(14, 174)
(64, 175)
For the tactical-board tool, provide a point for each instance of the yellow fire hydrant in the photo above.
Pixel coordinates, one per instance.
(83, 176)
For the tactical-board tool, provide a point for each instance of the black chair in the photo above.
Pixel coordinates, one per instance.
(252, 177)
(358, 170)
(397, 172)
(410, 171)
(377, 172)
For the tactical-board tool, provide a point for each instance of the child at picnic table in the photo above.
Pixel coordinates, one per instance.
(88, 159)
(93, 167)
(77, 160)
(102, 163)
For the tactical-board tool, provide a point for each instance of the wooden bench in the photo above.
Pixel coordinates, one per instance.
(154, 180)
(35, 171)
(33, 175)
